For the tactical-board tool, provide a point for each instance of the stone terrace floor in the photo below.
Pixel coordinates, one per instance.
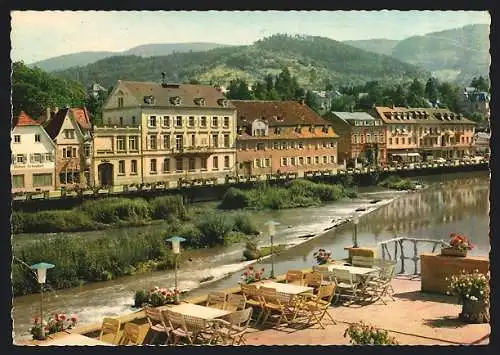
(414, 318)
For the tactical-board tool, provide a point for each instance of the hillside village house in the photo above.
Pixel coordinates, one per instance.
(415, 134)
(283, 137)
(71, 131)
(362, 137)
(32, 165)
(163, 132)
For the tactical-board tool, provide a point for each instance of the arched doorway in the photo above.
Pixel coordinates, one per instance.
(105, 171)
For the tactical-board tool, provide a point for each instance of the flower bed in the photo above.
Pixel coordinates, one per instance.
(155, 297)
(58, 323)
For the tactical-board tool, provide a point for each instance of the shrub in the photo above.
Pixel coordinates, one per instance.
(245, 224)
(192, 235)
(140, 298)
(251, 251)
(364, 334)
(165, 207)
(52, 221)
(234, 199)
(214, 227)
(115, 209)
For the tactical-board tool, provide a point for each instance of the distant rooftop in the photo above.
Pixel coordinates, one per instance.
(358, 116)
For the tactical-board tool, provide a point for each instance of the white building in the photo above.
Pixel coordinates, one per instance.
(32, 166)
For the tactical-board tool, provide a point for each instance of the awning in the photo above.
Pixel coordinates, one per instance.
(406, 154)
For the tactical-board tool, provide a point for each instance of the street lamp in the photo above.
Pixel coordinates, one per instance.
(41, 272)
(176, 249)
(355, 235)
(271, 228)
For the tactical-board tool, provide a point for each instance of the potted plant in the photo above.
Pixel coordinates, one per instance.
(155, 297)
(364, 334)
(58, 323)
(473, 291)
(252, 275)
(322, 256)
(458, 246)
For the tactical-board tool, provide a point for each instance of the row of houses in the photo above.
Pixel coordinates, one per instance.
(165, 132)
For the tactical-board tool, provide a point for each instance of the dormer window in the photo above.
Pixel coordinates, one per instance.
(325, 129)
(222, 102)
(277, 130)
(150, 99)
(175, 100)
(298, 129)
(200, 101)
(120, 102)
(311, 129)
(279, 118)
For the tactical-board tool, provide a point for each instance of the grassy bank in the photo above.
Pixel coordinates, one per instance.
(296, 193)
(398, 183)
(78, 261)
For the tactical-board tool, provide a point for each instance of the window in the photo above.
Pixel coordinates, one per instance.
(259, 132)
(133, 121)
(166, 165)
(284, 161)
(390, 140)
(18, 181)
(179, 142)
(301, 161)
(121, 121)
(402, 140)
(152, 166)
(226, 141)
(166, 121)
(120, 143)
(276, 145)
(120, 102)
(17, 139)
(152, 122)
(36, 158)
(301, 145)
(166, 141)
(86, 150)
(355, 138)
(267, 162)
(203, 163)
(69, 133)
(325, 160)
(69, 177)
(368, 138)
(203, 121)
(179, 164)
(37, 138)
(69, 152)
(152, 142)
(215, 163)
(256, 163)
(226, 122)
(332, 159)
(293, 161)
(215, 121)
(133, 167)
(397, 140)
(121, 167)
(309, 160)
(332, 144)
(20, 158)
(133, 143)
(49, 157)
(260, 146)
(316, 160)
(178, 121)
(215, 140)
(193, 140)
(191, 121)
(42, 180)
(191, 164)
(226, 162)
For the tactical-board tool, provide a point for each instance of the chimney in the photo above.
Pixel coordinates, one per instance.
(47, 114)
(56, 109)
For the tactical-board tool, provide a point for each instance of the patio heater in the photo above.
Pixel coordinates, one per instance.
(271, 227)
(355, 234)
(176, 249)
(41, 272)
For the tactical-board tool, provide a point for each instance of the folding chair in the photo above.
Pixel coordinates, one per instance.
(110, 326)
(381, 286)
(346, 284)
(130, 334)
(234, 326)
(294, 277)
(156, 323)
(325, 273)
(318, 305)
(177, 325)
(235, 302)
(313, 279)
(216, 300)
(251, 293)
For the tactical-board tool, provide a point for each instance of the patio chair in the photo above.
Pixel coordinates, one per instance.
(313, 279)
(177, 325)
(234, 326)
(346, 285)
(381, 286)
(270, 303)
(325, 273)
(317, 306)
(199, 328)
(251, 293)
(362, 261)
(131, 334)
(110, 329)
(235, 302)
(216, 300)
(156, 323)
(295, 277)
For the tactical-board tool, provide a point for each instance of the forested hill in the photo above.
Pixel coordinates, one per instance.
(315, 61)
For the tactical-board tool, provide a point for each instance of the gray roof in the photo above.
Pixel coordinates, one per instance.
(354, 116)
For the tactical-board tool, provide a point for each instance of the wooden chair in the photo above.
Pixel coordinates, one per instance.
(177, 325)
(294, 277)
(317, 306)
(216, 300)
(111, 327)
(381, 285)
(234, 326)
(346, 284)
(271, 303)
(362, 261)
(199, 328)
(325, 273)
(130, 336)
(251, 293)
(235, 302)
(156, 323)
(313, 279)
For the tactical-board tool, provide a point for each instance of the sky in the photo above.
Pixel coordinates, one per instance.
(38, 35)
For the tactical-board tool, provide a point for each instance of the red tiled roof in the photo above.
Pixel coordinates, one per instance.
(81, 116)
(418, 115)
(54, 125)
(25, 120)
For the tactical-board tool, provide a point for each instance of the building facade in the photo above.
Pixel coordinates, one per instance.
(423, 134)
(32, 166)
(156, 132)
(71, 131)
(362, 137)
(282, 137)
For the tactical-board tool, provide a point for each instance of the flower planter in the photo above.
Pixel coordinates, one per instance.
(475, 311)
(453, 252)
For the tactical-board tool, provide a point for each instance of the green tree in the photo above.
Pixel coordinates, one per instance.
(310, 100)
(344, 103)
(238, 90)
(416, 88)
(431, 90)
(259, 90)
(480, 83)
(95, 105)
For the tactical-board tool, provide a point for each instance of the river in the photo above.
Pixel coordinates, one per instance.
(452, 203)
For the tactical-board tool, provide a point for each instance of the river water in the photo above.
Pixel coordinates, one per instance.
(452, 203)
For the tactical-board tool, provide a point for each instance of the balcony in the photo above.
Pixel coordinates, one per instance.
(203, 150)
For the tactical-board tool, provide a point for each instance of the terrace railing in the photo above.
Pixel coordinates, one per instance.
(405, 249)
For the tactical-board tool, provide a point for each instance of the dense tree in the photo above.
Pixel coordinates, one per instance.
(480, 83)
(238, 90)
(259, 91)
(310, 100)
(344, 103)
(431, 90)
(34, 90)
(95, 104)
